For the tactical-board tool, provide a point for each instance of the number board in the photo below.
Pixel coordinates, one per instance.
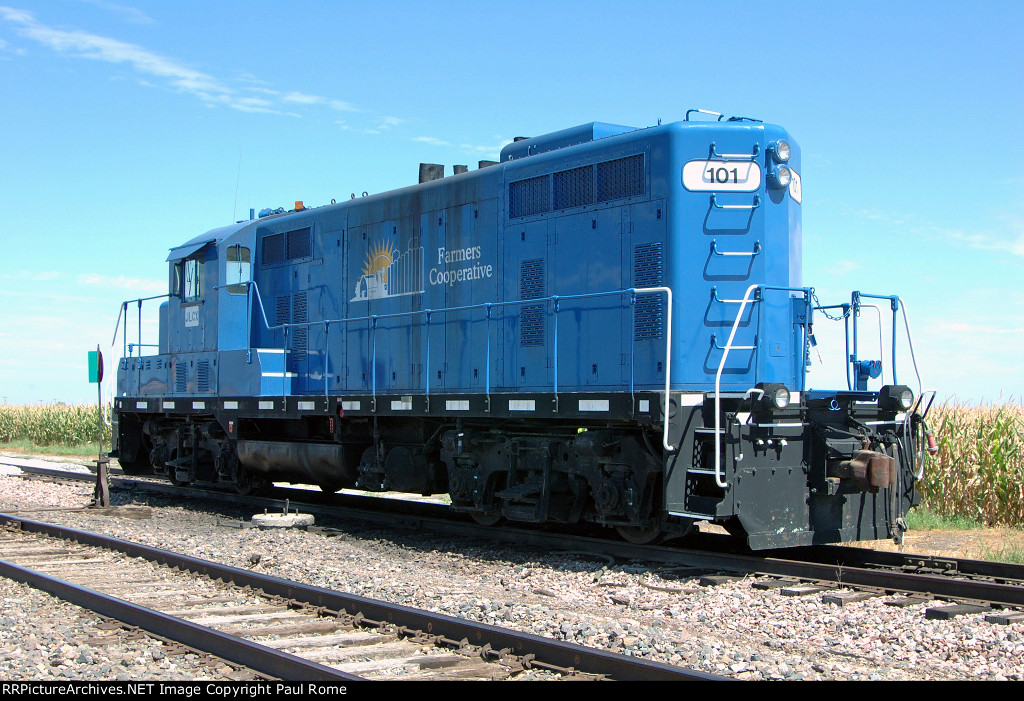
(722, 176)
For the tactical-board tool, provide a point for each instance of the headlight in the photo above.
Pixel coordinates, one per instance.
(780, 177)
(895, 398)
(776, 395)
(780, 151)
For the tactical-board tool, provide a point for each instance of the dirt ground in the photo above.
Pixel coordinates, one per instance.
(977, 544)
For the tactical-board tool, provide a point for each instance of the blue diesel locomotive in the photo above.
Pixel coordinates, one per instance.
(606, 326)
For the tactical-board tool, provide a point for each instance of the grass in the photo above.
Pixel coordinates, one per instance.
(80, 450)
(1012, 553)
(921, 519)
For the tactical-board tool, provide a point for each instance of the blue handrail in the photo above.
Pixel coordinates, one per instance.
(488, 307)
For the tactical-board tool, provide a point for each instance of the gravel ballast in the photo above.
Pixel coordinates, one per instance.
(637, 608)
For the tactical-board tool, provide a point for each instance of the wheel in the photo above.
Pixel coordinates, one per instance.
(175, 481)
(329, 488)
(486, 518)
(639, 535)
(246, 483)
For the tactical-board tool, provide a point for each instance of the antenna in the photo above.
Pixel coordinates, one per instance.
(234, 210)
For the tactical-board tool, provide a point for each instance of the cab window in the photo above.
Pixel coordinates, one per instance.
(191, 291)
(238, 269)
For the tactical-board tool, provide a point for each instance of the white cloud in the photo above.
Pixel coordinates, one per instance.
(121, 282)
(481, 149)
(101, 48)
(1008, 238)
(433, 141)
(131, 15)
(843, 267)
(473, 149)
(251, 97)
(1012, 243)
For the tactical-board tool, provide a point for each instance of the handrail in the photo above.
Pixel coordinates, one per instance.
(755, 205)
(716, 298)
(807, 292)
(718, 389)
(127, 348)
(716, 252)
(487, 307)
(714, 155)
(123, 312)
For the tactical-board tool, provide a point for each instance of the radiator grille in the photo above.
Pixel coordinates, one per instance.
(620, 178)
(578, 187)
(273, 249)
(291, 245)
(573, 188)
(300, 244)
(530, 196)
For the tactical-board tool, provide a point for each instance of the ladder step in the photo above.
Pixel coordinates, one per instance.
(689, 514)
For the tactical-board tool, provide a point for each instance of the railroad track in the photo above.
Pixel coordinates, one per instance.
(287, 630)
(970, 586)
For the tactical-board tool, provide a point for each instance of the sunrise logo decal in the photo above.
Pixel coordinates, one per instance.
(388, 272)
(378, 260)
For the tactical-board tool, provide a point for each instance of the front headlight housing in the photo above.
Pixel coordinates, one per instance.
(895, 398)
(780, 151)
(775, 397)
(780, 177)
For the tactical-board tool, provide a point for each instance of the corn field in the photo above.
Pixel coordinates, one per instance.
(50, 424)
(979, 473)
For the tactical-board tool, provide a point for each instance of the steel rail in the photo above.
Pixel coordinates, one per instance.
(838, 564)
(545, 652)
(257, 657)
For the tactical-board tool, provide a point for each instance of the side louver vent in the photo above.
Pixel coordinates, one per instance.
(531, 316)
(203, 376)
(180, 377)
(282, 310)
(648, 271)
(299, 335)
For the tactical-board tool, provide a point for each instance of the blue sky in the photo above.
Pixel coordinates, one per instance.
(129, 128)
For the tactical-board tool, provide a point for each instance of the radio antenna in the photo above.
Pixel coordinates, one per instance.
(238, 176)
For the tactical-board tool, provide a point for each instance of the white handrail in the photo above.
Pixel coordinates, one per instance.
(668, 362)
(718, 389)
